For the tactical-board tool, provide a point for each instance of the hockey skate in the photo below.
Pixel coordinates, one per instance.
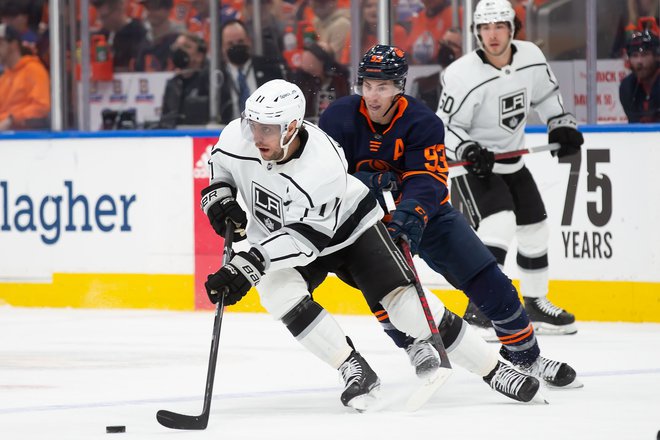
(424, 358)
(361, 381)
(427, 367)
(548, 319)
(480, 322)
(554, 374)
(508, 381)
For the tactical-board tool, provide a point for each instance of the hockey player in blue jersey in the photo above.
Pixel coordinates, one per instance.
(392, 141)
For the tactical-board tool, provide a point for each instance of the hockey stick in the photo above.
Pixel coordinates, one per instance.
(436, 339)
(405, 249)
(174, 420)
(509, 154)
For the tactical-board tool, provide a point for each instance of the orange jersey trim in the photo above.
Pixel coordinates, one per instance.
(402, 106)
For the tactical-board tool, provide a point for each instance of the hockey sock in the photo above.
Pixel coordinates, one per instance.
(497, 298)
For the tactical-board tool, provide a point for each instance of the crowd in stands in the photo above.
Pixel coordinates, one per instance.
(305, 41)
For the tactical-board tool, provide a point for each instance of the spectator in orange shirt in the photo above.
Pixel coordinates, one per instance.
(24, 85)
(427, 31)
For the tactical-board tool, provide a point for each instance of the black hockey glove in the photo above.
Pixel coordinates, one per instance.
(408, 222)
(235, 278)
(379, 182)
(563, 130)
(481, 160)
(219, 204)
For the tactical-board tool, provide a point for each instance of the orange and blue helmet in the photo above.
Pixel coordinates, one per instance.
(384, 62)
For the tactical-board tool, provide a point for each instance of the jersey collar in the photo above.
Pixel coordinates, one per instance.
(402, 105)
(482, 55)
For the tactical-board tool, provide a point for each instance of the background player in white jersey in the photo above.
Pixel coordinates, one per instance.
(309, 217)
(487, 96)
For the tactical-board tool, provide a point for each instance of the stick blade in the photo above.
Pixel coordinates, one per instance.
(422, 394)
(174, 420)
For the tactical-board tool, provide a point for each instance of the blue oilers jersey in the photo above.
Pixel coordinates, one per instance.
(412, 146)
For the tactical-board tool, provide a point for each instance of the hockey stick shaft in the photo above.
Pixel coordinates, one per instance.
(181, 421)
(405, 249)
(510, 154)
(436, 339)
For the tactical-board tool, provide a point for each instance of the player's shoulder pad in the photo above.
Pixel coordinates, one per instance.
(230, 137)
(527, 53)
(343, 108)
(420, 113)
(462, 73)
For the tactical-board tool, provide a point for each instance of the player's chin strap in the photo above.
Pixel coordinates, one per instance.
(269, 164)
(394, 101)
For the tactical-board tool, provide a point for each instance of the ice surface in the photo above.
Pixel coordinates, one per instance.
(67, 374)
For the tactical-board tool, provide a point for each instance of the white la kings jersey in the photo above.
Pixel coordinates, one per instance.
(305, 207)
(490, 106)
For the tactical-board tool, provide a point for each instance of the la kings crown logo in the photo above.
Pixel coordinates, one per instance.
(267, 207)
(512, 110)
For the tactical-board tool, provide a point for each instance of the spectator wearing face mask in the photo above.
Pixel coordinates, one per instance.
(321, 78)
(186, 97)
(242, 71)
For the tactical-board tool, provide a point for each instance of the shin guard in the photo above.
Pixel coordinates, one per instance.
(318, 332)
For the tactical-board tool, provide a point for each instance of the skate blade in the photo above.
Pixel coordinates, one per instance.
(573, 385)
(427, 389)
(366, 401)
(539, 399)
(543, 328)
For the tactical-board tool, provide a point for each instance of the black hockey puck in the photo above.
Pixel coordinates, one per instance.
(115, 429)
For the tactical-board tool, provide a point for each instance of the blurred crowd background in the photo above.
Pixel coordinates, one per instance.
(151, 63)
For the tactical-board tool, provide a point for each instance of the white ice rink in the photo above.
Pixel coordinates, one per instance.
(66, 374)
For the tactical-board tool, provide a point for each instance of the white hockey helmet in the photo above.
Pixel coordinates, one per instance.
(277, 102)
(493, 11)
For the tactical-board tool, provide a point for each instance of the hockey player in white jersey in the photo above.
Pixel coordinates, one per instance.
(486, 99)
(308, 217)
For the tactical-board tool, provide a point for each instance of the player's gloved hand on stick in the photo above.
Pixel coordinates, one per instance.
(563, 130)
(219, 204)
(379, 182)
(408, 221)
(235, 278)
(481, 160)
